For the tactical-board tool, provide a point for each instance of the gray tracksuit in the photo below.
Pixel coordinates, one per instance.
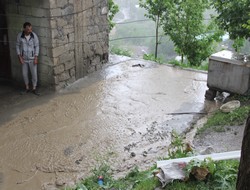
(28, 49)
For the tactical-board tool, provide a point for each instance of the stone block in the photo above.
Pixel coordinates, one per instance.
(58, 69)
(45, 70)
(56, 80)
(53, 4)
(45, 4)
(105, 10)
(11, 8)
(55, 61)
(67, 11)
(71, 46)
(71, 37)
(91, 69)
(87, 52)
(41, 32)
(68, 56)
(72, 72)
(61, 22)
(45, 60)
(55, 12)
(53, 23)
(64, 76)
(88, 4)
(69, 29)
(99, 49)
(61, 3)
(39, 12)
(93, 38)
(71, 80)
(60, 86)
(24, 10)
(96, 60)
(98, 67)
(58, 51)
(57, 33)
(43, 50)
(69, 64)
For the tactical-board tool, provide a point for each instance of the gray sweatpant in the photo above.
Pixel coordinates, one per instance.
(33, 69)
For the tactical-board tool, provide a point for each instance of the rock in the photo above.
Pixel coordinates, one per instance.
(60, 182)
(145, 153)
(132, 154)
(200, 173)
(78, 162)
(208, 150)
(230, 106)
(68, 151)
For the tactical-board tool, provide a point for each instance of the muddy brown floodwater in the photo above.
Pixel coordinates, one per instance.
(121, 114)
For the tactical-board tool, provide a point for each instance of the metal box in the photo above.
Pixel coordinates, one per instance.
(227, 72)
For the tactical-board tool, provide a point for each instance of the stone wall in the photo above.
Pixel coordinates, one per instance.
(73, 37)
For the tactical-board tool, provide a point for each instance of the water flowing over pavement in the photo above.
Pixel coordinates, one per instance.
(121, 114)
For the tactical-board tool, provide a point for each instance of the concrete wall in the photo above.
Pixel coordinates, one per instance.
(73, 37)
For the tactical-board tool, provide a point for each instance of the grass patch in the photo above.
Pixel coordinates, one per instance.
(219, 119)
(151, 57)
(119, 51)
(221, 174)
(135, 179)
(203, 66)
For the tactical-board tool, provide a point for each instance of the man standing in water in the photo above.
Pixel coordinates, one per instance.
(27, 48)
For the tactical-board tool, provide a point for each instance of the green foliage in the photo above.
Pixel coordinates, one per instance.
(155, 9)
(203, 66)
(119, 51)
(113, 9)
(223, 176)
(177, 148)
(183, 22)
(238, 44)
(241, 98)
(233, 17)
(175, 63)
(151, 57)
(102, 170)
(237, 117)
(206, 163)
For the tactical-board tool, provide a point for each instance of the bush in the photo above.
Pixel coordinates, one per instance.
(119, 51)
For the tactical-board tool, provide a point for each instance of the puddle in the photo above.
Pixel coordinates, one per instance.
(120, 114)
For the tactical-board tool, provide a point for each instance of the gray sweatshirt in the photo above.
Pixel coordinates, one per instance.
(27, 48)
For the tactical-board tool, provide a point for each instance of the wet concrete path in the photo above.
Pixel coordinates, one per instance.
(125, 108)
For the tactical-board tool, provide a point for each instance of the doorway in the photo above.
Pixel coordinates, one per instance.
(5, 64)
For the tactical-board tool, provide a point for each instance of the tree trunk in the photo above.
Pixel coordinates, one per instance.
(156, 34)
(243, 181)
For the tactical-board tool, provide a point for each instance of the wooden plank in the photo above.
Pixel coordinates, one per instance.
(214, 156)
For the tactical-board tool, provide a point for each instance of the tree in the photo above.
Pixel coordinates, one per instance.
(155, 9)
(232, 16)
(113, 9)
(243, 182)
(184, 23)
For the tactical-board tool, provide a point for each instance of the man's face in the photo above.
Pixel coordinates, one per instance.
(28, 30)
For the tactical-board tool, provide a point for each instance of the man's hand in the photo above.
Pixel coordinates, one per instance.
(21, 59)
(35, 60)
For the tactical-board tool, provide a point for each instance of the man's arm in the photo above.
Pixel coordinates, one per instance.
(18, 48)
(36, 48)
(36, 45)
(18, 45)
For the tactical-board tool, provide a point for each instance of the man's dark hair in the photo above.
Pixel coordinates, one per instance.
(26, 24)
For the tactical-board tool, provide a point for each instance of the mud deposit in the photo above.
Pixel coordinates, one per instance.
(122, 114)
